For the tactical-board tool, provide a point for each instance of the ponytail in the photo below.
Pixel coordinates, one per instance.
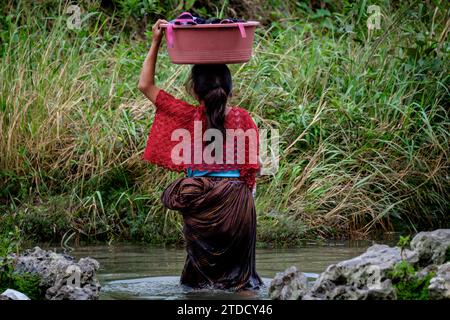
(212, 84)
(215, 105)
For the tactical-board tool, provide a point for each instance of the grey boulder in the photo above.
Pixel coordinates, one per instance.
(11, 294)
(439, 287)
(363, 277)
(432, 247)
(288, 285)
(60, 275)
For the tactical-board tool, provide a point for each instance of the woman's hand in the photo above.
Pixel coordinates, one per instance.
(157, 31)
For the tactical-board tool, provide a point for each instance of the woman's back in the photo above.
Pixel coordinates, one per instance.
(177, 139)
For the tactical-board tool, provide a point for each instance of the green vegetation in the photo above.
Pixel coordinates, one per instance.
(408, 285)
(24, 282)
(363, 118)
(404, 243)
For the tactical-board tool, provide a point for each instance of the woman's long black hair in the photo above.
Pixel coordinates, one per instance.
(212, 84)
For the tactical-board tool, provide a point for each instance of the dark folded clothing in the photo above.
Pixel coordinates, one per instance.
(220, 231)
(188, 19)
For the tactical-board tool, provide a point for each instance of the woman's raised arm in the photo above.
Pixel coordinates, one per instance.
(147, 80)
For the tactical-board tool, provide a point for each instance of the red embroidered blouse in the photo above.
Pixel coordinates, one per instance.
(173, 114)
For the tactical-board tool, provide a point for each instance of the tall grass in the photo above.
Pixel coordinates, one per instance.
(363, 117)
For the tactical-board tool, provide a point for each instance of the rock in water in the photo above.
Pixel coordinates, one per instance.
(12, 294)
(367, 276)
(61, 276)
(432, 247)
(288, 285)
(440, 285)
(363, 277)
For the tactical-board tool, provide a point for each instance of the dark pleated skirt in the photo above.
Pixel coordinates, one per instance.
(220, 232)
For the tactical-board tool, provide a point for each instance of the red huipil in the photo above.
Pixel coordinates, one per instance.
(174, 115)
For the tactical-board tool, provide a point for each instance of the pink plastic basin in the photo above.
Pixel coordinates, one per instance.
(210, 43)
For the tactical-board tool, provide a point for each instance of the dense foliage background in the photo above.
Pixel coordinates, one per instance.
(363, 117)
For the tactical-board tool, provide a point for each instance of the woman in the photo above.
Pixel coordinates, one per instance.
(215, 198)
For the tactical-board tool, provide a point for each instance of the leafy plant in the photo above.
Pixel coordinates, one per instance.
(407, 284)
(27, 283)
(403, 243)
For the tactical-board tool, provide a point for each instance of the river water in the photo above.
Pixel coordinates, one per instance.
(143, 272)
